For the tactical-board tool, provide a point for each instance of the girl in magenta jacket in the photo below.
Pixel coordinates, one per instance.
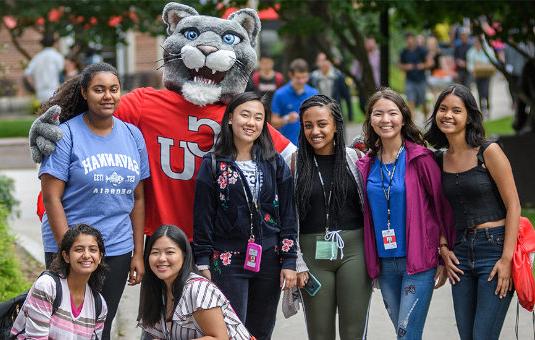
(405, 213)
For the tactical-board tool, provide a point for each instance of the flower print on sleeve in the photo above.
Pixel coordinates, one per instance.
(287, 244)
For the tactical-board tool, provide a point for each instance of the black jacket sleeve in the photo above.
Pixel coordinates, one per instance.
(205, 208)
(287, 213)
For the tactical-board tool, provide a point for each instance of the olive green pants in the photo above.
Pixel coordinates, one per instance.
(345, 286)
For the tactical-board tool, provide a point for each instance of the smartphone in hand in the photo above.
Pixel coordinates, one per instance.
(313, 285)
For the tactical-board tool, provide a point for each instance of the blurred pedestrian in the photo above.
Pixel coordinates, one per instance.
(329, 81)
(413, 60)
(265, 79)
(72, 67)
(440, 73)
(287, 100)
(374, 58)
(481, 68)
(459, 53)
(44, 70)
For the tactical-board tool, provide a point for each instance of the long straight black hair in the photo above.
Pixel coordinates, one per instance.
(474, 133)
(152, 288)
(262, 146)
(306, 169)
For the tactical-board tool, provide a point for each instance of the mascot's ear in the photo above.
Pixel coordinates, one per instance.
(174, 12)
(249, 20)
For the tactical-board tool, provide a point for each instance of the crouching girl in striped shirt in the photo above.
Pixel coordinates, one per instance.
(176, 303)
(81, 312)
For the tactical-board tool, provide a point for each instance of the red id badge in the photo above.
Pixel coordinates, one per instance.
(389, 239)
(253, 256)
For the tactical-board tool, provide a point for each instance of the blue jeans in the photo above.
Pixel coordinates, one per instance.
(406, 297)
(254, 296)
(478, 311)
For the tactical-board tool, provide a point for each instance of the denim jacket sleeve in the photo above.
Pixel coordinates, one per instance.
(287, 214)
(203, 213)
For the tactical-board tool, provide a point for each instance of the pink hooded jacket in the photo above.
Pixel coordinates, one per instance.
(429, 213)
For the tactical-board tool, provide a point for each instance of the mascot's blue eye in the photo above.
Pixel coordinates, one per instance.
(191, 34)
(231, 39)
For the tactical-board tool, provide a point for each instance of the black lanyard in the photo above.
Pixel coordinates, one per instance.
(326, 199)
(386, 191)
(255, 195)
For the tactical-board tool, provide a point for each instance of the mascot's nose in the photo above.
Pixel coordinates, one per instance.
(207, 49)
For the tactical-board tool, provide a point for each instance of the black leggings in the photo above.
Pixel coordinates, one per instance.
(116, 276)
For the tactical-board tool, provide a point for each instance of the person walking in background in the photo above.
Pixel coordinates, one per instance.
(405, 213)
(288, 98)
(478, 182)
(440, 72)
(72, 67)
(459, 54)
(80, 270)
(265, 79)
(244, 224)
(330, 82)
(413, 60)
(481, 69)
(178, 304)
(374, 58)
(44, 70)
(95, 176)
(329, 203)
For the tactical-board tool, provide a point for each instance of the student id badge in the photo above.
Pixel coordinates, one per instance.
(326, 250)
(389, 239)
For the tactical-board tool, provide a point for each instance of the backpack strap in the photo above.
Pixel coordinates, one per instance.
(59, 290)
(482, 148)
(98, 304)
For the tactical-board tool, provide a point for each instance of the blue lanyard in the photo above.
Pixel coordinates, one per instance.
(386, 191)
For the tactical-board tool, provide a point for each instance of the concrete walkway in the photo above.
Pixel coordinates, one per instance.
(440, 321)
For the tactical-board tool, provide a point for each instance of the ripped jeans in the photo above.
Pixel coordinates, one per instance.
(406, 297)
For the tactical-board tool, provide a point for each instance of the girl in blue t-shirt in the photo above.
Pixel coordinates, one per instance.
(95, 177)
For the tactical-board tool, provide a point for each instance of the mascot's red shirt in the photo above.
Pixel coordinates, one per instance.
(177, 134)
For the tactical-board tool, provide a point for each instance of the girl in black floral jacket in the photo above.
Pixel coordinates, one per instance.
(244, 218)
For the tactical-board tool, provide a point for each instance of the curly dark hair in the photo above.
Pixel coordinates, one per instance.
(409, 131)
(474, 133)
(305, 158)
(152, 288)
(69, 95)
(62, 268)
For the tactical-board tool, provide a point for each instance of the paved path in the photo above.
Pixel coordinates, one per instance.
(440, 321)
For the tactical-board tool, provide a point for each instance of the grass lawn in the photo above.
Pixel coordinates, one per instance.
(499, 127)
(15, 128)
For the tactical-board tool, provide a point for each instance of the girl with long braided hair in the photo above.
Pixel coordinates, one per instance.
(95, 176)
(329, 196)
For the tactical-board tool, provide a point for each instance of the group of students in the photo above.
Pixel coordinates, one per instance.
(401, 217)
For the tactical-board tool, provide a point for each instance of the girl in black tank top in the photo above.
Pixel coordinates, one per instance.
(478, 182)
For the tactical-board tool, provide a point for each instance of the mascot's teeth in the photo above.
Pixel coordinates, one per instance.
(196, 69)
(213, 71)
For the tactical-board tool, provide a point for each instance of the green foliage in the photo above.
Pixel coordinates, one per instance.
(7, 198)
(499, 127)
(12, 282)
(530, 214)
(15, 127)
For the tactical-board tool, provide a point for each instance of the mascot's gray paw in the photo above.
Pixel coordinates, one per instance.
(45, 133)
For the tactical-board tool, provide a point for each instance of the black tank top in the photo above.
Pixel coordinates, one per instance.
(473, 194)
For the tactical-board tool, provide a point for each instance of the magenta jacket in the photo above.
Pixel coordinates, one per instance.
(428, 212)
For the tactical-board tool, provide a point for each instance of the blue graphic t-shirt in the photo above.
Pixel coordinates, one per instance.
(100, 175)
(378, 205)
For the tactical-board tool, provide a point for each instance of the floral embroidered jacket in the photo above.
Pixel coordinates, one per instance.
(221, 220)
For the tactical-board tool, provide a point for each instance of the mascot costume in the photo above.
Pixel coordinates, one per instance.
(208, 60)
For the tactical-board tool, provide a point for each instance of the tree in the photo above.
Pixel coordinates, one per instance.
(102, 22)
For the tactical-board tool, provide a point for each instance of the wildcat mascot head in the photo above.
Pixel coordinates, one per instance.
(208, 59)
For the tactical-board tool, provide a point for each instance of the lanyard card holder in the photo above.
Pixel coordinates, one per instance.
(253, 257)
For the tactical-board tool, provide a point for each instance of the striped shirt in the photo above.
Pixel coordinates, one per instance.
(199, 293)
(38, 323)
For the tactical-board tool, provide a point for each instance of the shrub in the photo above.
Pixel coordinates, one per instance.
(11, 281)
(7, 199)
